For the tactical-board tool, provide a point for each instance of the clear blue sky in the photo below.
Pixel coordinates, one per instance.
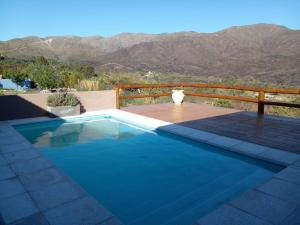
(19, 18)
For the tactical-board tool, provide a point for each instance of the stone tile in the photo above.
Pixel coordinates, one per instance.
(169, 127)
(282, 189)
(2, 161)
(30, 120)
(228, 215)
(249, 148)
(264, 206)
(43, 178)
(182, 131)
(289, 174)
(8, 133)
(226, 142)
(21, 155)
(3, 124)
(85, 211)
(17, 207)
(112, 221)
(56, 194)
(292, 219)
(10, 187)
(202, 136)
(12, 139)
(15, 147)
(282, 146)
(35, 219)
(282, 157)
(6, 173)
(5, 127)
(32, 165)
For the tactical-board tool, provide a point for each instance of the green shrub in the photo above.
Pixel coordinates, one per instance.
(62, 99)
(222, 103)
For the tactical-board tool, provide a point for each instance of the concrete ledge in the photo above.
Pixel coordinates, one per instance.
(264, 206)
(282, 189)
(228, 215)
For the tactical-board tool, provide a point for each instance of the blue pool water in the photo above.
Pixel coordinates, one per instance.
(146, 177)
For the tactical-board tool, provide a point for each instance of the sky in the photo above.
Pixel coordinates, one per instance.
(20, 18)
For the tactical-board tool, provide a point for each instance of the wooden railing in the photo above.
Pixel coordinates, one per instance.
(259, 100)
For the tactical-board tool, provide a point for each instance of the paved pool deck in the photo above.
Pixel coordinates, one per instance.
(271, 131)
(34, 191)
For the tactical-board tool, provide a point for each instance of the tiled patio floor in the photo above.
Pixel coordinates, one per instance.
(272, 131)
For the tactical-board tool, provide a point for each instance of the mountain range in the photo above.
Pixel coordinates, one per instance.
(267, 52)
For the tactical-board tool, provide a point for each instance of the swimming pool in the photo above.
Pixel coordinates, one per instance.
(145, 176)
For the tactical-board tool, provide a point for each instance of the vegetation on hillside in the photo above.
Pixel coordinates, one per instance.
(49, 74)
(45, 74)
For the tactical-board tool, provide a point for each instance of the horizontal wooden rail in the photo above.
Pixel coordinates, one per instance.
(244, 99)
(220, 86)
(260, 100)
(282, 91)
(145, 96)
(286, 104)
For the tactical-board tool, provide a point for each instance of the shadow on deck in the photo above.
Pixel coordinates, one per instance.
(272, 131)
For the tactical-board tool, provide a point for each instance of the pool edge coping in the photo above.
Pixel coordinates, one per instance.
(272, 155)
(283, 158)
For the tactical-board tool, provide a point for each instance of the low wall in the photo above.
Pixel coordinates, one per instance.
(34, 105)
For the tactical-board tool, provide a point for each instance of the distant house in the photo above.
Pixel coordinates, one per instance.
(9, 84)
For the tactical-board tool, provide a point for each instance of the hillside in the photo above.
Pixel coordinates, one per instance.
(266, 52)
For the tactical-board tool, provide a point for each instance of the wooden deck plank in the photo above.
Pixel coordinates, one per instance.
(272, 131)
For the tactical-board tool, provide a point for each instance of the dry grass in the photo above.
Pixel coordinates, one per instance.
(89, 85)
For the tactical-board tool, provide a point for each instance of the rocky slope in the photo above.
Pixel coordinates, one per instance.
(266, 52)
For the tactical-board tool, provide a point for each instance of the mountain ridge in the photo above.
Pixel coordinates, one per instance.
(266, 52)
(166, 33)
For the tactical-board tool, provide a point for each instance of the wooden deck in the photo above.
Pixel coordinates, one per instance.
(272, 131)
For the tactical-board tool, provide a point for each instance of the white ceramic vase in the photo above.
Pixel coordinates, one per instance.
(177, 96)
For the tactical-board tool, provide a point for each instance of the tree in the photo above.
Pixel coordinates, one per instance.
(69, 78)
(85, 71)
(46, 76)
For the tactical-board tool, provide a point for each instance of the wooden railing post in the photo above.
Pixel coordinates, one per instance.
(117, 98)
(261, 105)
